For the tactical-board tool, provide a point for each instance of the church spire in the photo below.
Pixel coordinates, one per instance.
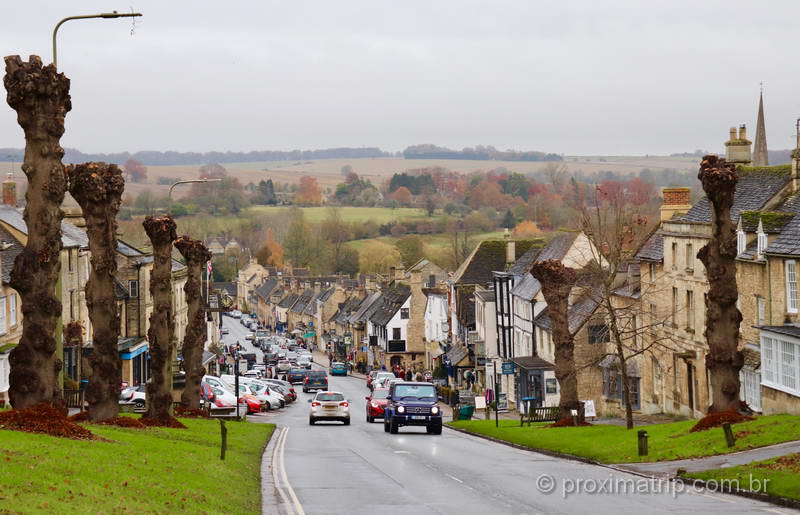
(760, 157)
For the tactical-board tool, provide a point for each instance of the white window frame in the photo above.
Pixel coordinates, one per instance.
(13, 309)
(761, 310)
(791, 286)
(775, 367)
(741, 241)
(131, 283)
(750, 389)
(3, 317)
(762, 240)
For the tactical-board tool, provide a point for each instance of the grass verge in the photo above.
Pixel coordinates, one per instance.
(153, 470)
(615, 444)
(776, 476)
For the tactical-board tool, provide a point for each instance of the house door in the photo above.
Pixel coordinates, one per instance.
(537, 388)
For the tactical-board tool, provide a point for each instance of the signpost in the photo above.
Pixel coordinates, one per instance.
(509, 367)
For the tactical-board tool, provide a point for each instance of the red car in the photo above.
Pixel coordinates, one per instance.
(376, 403)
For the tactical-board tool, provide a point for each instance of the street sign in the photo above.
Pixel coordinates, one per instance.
(509, 367)
(242, 365)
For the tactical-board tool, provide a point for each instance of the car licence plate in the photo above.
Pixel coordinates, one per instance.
(330, 407)
(417, 417)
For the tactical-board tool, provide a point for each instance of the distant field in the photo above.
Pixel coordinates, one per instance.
(378, 170)
(380, 215)
(431, 242)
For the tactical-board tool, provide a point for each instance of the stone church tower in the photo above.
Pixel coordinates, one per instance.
(760, 157)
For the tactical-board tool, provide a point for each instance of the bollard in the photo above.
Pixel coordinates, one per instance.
(224, 443)
(729, 438)
(642, 443)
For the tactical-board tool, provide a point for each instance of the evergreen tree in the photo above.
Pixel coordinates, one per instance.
(509, 222)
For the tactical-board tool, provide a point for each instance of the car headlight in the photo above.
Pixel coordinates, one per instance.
(401, 409)
(435, 410)
(374, 404)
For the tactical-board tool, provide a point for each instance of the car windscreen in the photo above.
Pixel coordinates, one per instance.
(297, 371)
(330, 397)
(380, 394)
(414, 391)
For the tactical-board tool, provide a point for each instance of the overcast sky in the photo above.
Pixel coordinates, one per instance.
(575, 77)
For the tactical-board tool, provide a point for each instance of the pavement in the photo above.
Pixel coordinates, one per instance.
(669, 468)
(331, 468)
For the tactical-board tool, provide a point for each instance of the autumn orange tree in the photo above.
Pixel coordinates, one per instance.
(271, 254)
(402, 195)
(308, 191)
(527, 229)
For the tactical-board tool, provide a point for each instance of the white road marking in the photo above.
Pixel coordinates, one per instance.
(718, 498)
(278, 463)
(454, 478)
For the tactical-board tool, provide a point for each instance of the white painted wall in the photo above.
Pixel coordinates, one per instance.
(436, 318)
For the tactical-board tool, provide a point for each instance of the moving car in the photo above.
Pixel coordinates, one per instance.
(225, 330)
(412, 404)
(329, 406)
(376, 403)
(283, 365)
(382, 381)
(296, 375)
(315, 380)
(133, 395)
(249, 336)
(379, 376)
(304, 362)
(338, 369)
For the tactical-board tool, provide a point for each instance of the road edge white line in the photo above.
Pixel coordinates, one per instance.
(298, 508)
(275, 466)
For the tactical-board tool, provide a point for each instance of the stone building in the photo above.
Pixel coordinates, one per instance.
(10, 314)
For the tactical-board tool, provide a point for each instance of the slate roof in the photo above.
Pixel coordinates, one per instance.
(119, 290)
(788, 330)
(230, 288)
(465, 307)
(787, 242)
(486, 295)
(367, 307)
(487, 257)
(8, 255)
(389, 303)
(346, 309)
(523, 264)
(302, 301)
(71, 236)
(265, 290)
(558, 247)
(527, 288)
(288, 301)
(653, 248)
(753, 191)
(128, 250)
(533, 363)
(772, 222)
(578, 314)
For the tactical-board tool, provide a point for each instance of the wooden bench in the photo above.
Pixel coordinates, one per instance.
(74, 398)
(544, 414)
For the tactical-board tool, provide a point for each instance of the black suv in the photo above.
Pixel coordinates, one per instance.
(315, 380)
(412, 404)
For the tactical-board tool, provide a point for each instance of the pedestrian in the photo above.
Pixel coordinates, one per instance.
(469, 377)
(408, 374)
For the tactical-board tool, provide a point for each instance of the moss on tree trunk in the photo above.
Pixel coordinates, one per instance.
(724, 359)
(196, 255)
(98, 188)
(161, 231)
(557, 282)
(40, 96)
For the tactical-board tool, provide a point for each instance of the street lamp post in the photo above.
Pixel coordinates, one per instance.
(189, 182)
(110, 15)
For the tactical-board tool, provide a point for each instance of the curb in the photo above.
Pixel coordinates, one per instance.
(772, 499)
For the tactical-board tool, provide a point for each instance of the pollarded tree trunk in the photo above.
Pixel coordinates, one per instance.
(196, 255)
(724, 359)
(161, 231)
(40, 96)
(557, 281)
(98, 188)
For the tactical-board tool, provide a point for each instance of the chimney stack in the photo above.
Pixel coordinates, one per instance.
(742, 131)
(676, 201)
(511, 251)
(732, 134)
(10, 191)
(737, 148)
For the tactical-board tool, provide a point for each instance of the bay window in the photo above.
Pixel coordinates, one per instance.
(780, 363)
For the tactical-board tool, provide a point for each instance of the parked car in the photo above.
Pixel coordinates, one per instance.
(376, 403)
(338, 369)
(254, 373)
(296, 375)
(133, 395)
(272, 396)
(329, 406)
(379, 376)
(304, 362)
(249, 336)
(236, 313)
(225, 330)
(315, 380)
(412, 404)
(285, 388)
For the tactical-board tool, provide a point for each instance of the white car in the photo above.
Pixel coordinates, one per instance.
(329, 406)
(135, 395)
(249, 336)
(304, 362)
(284, 365)
(254, 373)
(260, 389)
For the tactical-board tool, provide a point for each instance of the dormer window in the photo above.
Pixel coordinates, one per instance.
(762, 239)
(741, 241)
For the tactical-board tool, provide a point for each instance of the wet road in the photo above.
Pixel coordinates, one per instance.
(361, 469)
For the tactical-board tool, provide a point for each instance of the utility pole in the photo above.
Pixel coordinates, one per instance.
(106, 16)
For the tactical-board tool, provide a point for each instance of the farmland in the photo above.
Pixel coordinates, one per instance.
(379, 215)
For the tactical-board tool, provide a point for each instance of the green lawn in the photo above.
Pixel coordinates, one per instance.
(782, 476)
(615, 444)
(139, 471)
(380, 215)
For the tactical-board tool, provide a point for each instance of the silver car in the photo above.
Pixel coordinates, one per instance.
(329, 406)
